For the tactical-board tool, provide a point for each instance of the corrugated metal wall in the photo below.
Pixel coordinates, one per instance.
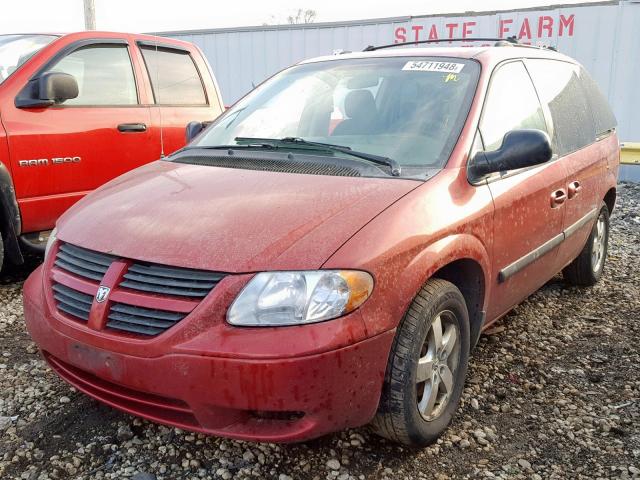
(604, 37)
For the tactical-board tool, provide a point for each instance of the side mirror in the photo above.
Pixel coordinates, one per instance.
(193, 129)
(48, 89)
(56, 87)
(519, 149)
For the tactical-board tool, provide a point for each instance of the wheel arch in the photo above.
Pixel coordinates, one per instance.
(610, 198)
(461, 259)
(10, 220)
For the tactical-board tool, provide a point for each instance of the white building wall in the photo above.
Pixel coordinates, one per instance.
(604, 37)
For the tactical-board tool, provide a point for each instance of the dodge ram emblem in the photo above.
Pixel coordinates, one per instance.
(102, 294)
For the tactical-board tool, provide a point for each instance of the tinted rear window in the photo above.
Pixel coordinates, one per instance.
(174, 77)
(604, 119)
(559, 88)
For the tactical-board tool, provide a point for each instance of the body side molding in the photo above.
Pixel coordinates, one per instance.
(545, 248)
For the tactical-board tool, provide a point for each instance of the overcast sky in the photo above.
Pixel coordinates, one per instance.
(161, 15)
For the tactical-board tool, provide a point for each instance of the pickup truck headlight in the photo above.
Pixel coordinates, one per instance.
(50, 241)
(297, 298)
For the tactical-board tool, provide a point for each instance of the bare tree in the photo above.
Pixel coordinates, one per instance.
(302, 16)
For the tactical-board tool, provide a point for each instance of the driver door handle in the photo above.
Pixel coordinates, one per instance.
(574, 189)
(558, 198)
(132, 127)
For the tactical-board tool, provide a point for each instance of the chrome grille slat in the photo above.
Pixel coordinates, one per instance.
(166, 280)
(129, 327)
(78, 262)
(72, 302)
(146, 312)
(147, 287)
(175, 272)
(145, 321)
(88, 255)
(78, 271)
(169, 282)
(74, 312)
(73, 294)
(82, 262)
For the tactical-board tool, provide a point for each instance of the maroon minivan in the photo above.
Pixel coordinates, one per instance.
(327, 252)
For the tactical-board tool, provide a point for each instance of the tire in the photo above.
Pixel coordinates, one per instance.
(1, 252)
(586, 269)
(399, 418)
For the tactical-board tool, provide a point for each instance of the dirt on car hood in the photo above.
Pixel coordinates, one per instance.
(225, 219)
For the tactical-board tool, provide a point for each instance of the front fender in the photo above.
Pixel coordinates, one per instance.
(438, 223)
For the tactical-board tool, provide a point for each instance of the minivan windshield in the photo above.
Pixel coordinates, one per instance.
(17, 49)
(408, 109)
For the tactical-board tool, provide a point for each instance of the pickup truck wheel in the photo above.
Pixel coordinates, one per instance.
(587, 268)
(427, 366)
(1, 252)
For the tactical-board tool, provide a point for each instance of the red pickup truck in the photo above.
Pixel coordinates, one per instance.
(77, 110)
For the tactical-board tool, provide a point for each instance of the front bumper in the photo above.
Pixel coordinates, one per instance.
(265, 399)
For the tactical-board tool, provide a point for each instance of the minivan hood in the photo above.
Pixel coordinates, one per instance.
(228, 220)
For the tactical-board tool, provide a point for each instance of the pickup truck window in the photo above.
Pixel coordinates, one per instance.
(174, 77)
(17, 49)
(511, 104)
(104, 75)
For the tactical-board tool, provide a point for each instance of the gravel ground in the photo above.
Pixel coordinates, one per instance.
(553, 392)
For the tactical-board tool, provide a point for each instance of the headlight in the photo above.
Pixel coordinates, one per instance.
(50, 242)
(295, 298)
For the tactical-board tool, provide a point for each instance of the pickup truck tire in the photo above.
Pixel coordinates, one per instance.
(587, 267)
(1, 252)
(427, 366)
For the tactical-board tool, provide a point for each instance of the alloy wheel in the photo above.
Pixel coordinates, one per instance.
(599, 246)
(437, 365)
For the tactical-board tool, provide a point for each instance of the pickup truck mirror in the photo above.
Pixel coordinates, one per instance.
(193, 129)
(519, 149)
(46, 90)
(56, 87)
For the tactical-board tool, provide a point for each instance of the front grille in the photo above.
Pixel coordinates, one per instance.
(170, 280)
(72, 302)
(144, 321)
(82, 262)
(149, 280)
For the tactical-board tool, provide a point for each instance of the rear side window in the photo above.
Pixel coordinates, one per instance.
(104, 75)
(603, 117)
(511, 104)
(174, 77)
(560, 89)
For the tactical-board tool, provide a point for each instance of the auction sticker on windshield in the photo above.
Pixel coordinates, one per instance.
(429, 66)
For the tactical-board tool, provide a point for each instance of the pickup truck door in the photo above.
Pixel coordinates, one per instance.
(182, 89)
(64, 151)
(528, 203)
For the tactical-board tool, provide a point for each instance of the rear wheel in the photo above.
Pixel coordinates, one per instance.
(427, 366)
(587, 268)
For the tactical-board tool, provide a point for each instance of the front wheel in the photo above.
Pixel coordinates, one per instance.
(587, 267)
(427, 366)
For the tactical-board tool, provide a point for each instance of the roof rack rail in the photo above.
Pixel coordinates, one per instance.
(499, 42)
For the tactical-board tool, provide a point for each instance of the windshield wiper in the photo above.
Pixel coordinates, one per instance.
(389, 162)
(268, 146)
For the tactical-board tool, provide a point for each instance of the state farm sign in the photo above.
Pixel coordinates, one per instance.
(528, 27)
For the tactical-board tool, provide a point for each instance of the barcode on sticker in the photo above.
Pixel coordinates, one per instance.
(430, 66)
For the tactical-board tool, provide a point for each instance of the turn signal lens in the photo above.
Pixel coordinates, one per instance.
(297, 298)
